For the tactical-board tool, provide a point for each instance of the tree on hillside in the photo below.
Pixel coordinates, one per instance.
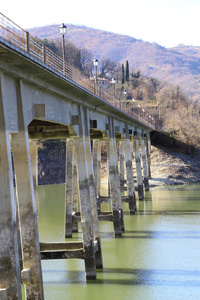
(127, 72)
(79, 58)
(108, 67)
(86, 59)
(122, 76)
(51, 45)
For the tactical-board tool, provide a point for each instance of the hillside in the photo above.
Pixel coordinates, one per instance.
(179, 65)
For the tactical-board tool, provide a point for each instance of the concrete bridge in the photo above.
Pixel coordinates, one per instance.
(42, 97)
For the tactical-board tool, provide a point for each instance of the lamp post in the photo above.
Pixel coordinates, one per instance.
(113, 83)
(125, 93)
(63, 30)
(95, 61)
(133, 99)
(143, 112)
(139, 109)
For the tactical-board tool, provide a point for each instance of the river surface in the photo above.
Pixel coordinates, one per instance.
(157, 257)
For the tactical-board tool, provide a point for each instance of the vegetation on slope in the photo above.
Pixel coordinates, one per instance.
(179, 65)
(172, 111)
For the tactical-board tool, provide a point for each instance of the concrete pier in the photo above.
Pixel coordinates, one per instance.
(10, 282)
(138, 167)
(69, 187)
(129, 173)
(144, 163)
(31, 273)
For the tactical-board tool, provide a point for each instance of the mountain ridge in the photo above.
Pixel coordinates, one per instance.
(178, 65)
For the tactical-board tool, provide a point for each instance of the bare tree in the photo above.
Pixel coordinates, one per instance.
(108, 67)
(86, 59)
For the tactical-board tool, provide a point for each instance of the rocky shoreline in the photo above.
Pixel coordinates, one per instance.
(170, 167)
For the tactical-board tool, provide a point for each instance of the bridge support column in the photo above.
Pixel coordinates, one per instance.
(144, 163)
(85, 198)
(138, 168)
(129, 174)
(121, 163)
(10, 282)
(93, 195)
(31, 273)
(118, 179)
(69, 187)
(97, 169)
(114, 179)
(148, 147)
(75, 193)
(33, 144)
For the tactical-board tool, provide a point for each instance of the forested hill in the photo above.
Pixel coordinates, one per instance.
(179, 65)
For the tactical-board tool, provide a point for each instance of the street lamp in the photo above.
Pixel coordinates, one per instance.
(133, 99)
(95, 61)
(139, 109)
(63, 30)
(113, 83)
(125, 98)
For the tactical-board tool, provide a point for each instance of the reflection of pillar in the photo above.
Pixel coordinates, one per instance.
(144, 163)
(138, 168)
(10, 283)
(31, 273)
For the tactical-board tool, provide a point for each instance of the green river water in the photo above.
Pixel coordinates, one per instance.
(157, 257)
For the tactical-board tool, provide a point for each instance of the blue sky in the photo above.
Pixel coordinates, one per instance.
(166, 22)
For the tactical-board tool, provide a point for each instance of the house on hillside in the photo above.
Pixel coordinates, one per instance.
(102, 82)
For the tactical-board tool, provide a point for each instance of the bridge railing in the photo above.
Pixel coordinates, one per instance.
(21, 39)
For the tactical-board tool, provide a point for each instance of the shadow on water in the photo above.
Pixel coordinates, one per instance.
(161, 234)
(131, 234)
(153, 212)
(148, 277)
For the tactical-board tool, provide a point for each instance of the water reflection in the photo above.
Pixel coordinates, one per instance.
(157, 256)
(147, 277)
(131, 277)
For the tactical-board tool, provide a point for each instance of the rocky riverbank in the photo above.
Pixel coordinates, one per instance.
(169, 167)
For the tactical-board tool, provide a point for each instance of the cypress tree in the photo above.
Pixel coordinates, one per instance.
(122, 75)
(127, 72)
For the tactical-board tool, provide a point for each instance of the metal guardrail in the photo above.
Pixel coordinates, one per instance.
(21, 39)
